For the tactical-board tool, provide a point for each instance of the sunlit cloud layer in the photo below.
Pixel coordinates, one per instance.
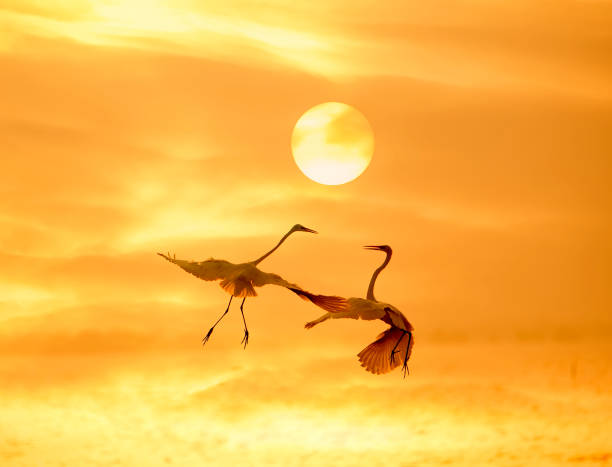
(514, 44)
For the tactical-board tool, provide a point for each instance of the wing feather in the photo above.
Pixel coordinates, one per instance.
(209, 270)
(330, 303)
(327, 302)
(375, 358)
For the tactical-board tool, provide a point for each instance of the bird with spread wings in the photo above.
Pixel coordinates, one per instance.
(240, 280)
(379, 356)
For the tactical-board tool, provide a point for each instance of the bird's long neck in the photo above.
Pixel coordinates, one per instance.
(257, 261)
(370, 295)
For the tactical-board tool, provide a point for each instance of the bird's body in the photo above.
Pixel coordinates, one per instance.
(379, 356)
(362, 308)
(240, 280)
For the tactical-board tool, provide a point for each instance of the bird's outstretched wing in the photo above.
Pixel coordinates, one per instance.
(209, 270)
(396, 318)
(327, 302)
(331, 303)
(376, 357)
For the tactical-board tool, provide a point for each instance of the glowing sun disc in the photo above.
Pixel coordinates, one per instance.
(332, 143)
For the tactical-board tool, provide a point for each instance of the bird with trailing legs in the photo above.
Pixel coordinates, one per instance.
(240, 280)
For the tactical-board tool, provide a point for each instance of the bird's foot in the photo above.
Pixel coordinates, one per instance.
(207, 336)
(245, 339)
(392, 356)
(310, 324)
(405, 369)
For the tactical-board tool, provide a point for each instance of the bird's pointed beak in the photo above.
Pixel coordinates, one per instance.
(306, 229)
(372, 247)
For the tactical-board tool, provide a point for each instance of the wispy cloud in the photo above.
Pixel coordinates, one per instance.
(530, 46)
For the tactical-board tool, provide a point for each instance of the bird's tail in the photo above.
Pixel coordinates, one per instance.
(376, 357)
(329, 303)
(238, 288)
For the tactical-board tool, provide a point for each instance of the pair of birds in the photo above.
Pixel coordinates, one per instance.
(240, 280)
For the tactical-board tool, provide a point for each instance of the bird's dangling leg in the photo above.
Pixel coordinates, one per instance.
(320, 319)
(207, 336)
(405, 366)
(393, 352)
(245, 339)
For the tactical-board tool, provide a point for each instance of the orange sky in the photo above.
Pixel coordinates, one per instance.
(134, 127)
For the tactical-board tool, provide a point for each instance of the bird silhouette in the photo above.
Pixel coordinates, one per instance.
(379, 356)
(240, 280)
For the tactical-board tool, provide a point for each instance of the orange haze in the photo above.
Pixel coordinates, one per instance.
(132, 127)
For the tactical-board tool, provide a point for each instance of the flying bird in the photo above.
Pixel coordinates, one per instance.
(379, 356)
(240, 280)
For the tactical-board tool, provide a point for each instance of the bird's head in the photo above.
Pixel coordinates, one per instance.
(301, 228)
(386, 248)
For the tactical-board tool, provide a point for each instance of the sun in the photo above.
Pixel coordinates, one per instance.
(332, 143)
